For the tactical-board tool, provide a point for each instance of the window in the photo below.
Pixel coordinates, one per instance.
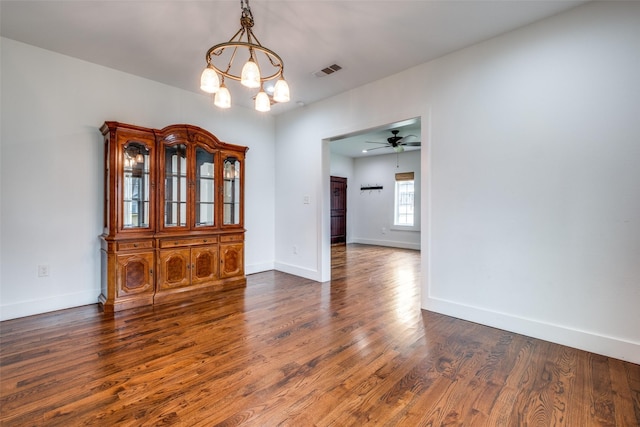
(404, 200)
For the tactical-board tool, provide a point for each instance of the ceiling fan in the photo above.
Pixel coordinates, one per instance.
(395, 142)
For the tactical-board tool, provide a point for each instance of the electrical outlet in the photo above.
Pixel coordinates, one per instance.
(43, 271)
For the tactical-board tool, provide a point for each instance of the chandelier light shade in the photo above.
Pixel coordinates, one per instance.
(263, 103)
(250, 74)
(262, 65)
(281, 91)
(209, 81)
(222, 97)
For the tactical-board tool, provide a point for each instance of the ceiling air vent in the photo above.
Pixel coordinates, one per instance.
(328, 70)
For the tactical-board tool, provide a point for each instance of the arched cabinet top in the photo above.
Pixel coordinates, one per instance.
(175, 133)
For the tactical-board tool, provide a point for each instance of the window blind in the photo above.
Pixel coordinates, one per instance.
(404, 176)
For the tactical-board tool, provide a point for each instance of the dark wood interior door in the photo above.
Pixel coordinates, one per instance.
(338, 210)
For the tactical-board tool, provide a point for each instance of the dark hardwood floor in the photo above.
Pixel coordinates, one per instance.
(289, 351)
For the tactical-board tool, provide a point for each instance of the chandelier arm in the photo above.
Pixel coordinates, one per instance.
(274, 58)
(241, 32)
(255, 38)
(279, 64)
(257, 43)
(249, 34)
(233, 56)
(231, 42)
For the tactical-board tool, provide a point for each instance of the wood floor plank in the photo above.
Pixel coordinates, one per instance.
(287, 351)
(623, 399)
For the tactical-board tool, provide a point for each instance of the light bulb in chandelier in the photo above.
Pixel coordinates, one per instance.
(209, 81)
(281, 91)
(263, 103)
(250, 76)
(223, 97)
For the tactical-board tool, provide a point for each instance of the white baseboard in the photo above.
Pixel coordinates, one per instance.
(583, 340)
(387, 243)
(45, 305)
(298, 271)
(258, 268)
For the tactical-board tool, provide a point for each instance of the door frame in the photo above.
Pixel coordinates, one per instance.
(324, 212)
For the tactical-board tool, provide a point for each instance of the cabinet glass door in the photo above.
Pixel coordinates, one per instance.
(231, 191)
(205, 189)
(175, 186)
(135, 203)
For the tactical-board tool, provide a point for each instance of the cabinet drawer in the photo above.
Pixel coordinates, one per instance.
(173, 243)
(231, 238)
(127, 246)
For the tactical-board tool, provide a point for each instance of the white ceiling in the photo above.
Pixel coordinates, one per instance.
(166, 41)
(353, 145)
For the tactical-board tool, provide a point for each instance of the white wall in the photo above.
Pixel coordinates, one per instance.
(530, 178)
(341, 166)
(52, 170)
(374, 209)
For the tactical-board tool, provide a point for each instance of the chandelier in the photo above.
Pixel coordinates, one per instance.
(262, 65)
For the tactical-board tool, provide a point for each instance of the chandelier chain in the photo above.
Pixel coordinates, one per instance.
(246, 18)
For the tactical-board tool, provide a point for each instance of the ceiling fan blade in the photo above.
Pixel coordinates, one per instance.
(395, 142)
(377, 148)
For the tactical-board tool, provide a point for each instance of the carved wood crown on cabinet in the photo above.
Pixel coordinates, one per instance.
(173, 215)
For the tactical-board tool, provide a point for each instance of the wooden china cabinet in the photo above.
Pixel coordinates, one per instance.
(174, 217)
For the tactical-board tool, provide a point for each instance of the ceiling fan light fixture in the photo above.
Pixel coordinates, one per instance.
(251, 74)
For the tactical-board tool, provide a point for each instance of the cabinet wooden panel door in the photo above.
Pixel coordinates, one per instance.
(175, 266)
(187, 266)
(204, 264)
(231, 259)
(134, 274)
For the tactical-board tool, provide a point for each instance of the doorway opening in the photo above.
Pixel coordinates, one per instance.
(371, 161)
